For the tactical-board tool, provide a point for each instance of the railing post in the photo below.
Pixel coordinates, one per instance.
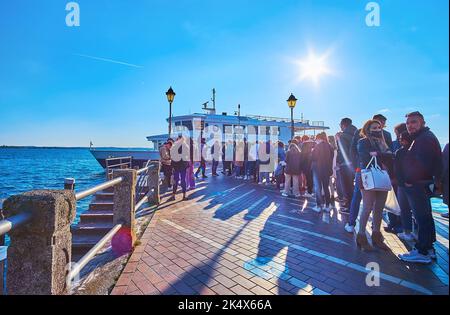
(153, 183)
(69, 183)
(124, 211)
(41, 249)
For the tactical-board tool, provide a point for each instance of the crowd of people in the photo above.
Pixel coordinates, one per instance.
(329, 168)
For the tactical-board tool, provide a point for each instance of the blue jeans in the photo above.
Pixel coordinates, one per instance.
(356, 201)
(418, 197)
(346, 181)
(405, 214)
(322, 182)
(237, 170)
(177, 176)
(215, 164)
(250, 167)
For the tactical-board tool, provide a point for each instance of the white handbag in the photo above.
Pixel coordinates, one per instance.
(391, 204)
(374, 178)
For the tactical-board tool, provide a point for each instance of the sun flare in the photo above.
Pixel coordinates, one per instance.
(314, 67)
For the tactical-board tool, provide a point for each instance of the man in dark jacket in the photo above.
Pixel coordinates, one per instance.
(357, 196)
(422, 170)
(344, 161)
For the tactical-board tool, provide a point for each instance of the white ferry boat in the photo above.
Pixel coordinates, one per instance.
(211, 118)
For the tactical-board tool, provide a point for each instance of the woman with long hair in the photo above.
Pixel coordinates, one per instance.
(322, 167)
(372, 144)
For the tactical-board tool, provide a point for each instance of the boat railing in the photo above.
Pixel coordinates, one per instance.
(277, 119)
(117, 163)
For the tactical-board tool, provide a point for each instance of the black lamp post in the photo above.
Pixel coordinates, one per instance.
(170, 97)
(292, 101)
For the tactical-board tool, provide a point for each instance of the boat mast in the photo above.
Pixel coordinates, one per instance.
(214, 99)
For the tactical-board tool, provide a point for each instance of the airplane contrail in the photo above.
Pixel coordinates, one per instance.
(109, 60)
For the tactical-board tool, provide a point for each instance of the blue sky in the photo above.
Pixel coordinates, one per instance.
(52, 93)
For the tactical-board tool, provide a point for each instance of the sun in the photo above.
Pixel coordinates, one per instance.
(314, 67)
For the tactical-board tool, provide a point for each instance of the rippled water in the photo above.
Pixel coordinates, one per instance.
(25, 169)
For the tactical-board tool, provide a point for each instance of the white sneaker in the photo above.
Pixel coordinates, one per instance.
(317, 209)
(349, 228)
(408, 237)
(284, 194)
(415, 257)
(307, 195)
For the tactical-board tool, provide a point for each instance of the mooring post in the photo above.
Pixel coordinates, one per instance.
(40, 250)
(153, 183)
(69, 183)
(124, 211)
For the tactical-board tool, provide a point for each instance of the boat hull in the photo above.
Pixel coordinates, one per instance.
(139, 158)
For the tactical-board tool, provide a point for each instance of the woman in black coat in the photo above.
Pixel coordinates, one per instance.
(372, 144)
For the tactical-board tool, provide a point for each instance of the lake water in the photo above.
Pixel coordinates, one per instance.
(25, 169)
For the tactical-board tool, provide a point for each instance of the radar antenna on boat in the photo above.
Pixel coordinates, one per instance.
(211, 110)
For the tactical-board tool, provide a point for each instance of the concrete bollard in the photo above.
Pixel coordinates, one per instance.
(153, 183)
(69, 183)
(124, 211)
(40, 250)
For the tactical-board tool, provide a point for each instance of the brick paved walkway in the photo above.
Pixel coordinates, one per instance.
(235, 237)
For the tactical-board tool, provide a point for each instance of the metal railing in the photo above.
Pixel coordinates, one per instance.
(143, 175)
(100, 244)
(8, 224)
(93, 190)
(123, 163)
(92, 252)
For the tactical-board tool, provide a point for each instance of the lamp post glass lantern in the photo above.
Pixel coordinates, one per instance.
(170, 97)
(292, 101)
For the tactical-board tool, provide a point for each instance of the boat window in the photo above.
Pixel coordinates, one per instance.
(187, 124)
